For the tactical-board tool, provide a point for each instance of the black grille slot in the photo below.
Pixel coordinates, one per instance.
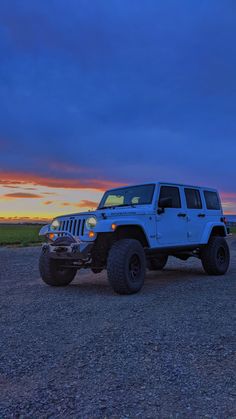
(71, 224)
(74, 227)
(83, 223)
(78, 228)
(60, 228)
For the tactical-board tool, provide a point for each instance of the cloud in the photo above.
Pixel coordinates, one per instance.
(48, 202)
(9, 186)
(22, 195)
(228, 195)
(12, 178)
(10, 183)
(82, 204)
(87, 204)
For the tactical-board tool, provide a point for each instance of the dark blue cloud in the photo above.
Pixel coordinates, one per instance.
(130, 90)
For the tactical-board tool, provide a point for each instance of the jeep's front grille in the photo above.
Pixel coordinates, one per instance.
(73, 226)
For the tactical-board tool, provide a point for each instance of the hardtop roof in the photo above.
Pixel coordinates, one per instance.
(165, 183)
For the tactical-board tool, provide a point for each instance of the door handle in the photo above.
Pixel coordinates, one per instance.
(201, 215)
(181, 214)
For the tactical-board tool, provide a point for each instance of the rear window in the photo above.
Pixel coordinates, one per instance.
(193, 198)
(212, 200)
(173, 193)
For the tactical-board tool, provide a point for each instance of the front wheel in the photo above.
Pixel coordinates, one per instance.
(216, 256)
(126, 266)
(53, 273)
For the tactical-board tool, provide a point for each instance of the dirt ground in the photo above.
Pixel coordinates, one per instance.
(84, 352)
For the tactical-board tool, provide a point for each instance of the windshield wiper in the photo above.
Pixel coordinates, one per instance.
(118, 206)
(108, 207)
(126, 205)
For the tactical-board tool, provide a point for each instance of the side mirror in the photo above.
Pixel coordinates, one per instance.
(164, 203)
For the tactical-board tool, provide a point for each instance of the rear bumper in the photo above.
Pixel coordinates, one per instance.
(75, 251)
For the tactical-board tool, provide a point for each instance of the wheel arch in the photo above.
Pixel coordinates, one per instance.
(132, 231)
(213, 229)
(218, 231)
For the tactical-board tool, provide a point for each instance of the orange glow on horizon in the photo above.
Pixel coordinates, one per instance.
(32, 198)
(21, 178)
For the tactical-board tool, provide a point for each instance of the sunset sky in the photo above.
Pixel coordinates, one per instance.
(96, 94)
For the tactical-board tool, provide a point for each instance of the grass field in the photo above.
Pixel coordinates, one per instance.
(24, 235)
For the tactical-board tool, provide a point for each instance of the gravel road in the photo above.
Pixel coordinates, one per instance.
(84, 352)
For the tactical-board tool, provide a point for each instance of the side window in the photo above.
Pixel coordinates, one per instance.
(172, 193)
(212, 200)
(193, 198)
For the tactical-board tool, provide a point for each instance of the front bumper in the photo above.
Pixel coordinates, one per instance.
(75, 251)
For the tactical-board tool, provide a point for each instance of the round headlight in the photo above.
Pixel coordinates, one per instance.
(55, 224)
(91, 222)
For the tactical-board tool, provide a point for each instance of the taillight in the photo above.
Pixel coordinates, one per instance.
(224, 220)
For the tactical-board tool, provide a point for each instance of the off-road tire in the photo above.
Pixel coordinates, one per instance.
(157, 263)
(52, 274)
(216, 256)
(126, 266)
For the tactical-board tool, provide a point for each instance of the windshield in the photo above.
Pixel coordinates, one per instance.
(131, 196)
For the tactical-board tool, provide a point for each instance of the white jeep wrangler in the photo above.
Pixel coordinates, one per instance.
(136, 227)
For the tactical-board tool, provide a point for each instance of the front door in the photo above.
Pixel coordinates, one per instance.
(172, 223)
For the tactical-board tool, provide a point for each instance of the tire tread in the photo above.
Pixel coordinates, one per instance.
(208, 258)
(115, 266)
(48, 272)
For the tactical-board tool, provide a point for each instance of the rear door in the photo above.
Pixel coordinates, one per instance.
(214, 210)
(172, 224)
(196, 214)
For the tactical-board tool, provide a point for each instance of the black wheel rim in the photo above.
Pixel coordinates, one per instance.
(221, 256)
(134, 267)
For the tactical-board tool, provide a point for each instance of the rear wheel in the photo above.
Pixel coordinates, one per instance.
(157, 263)
(216, 256)
(53, 272)
(126, 266)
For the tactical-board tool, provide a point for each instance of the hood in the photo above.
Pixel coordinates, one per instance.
(111, 212)
(77, 215)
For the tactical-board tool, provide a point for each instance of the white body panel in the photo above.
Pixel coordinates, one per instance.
(174, 227)
(171, 229)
